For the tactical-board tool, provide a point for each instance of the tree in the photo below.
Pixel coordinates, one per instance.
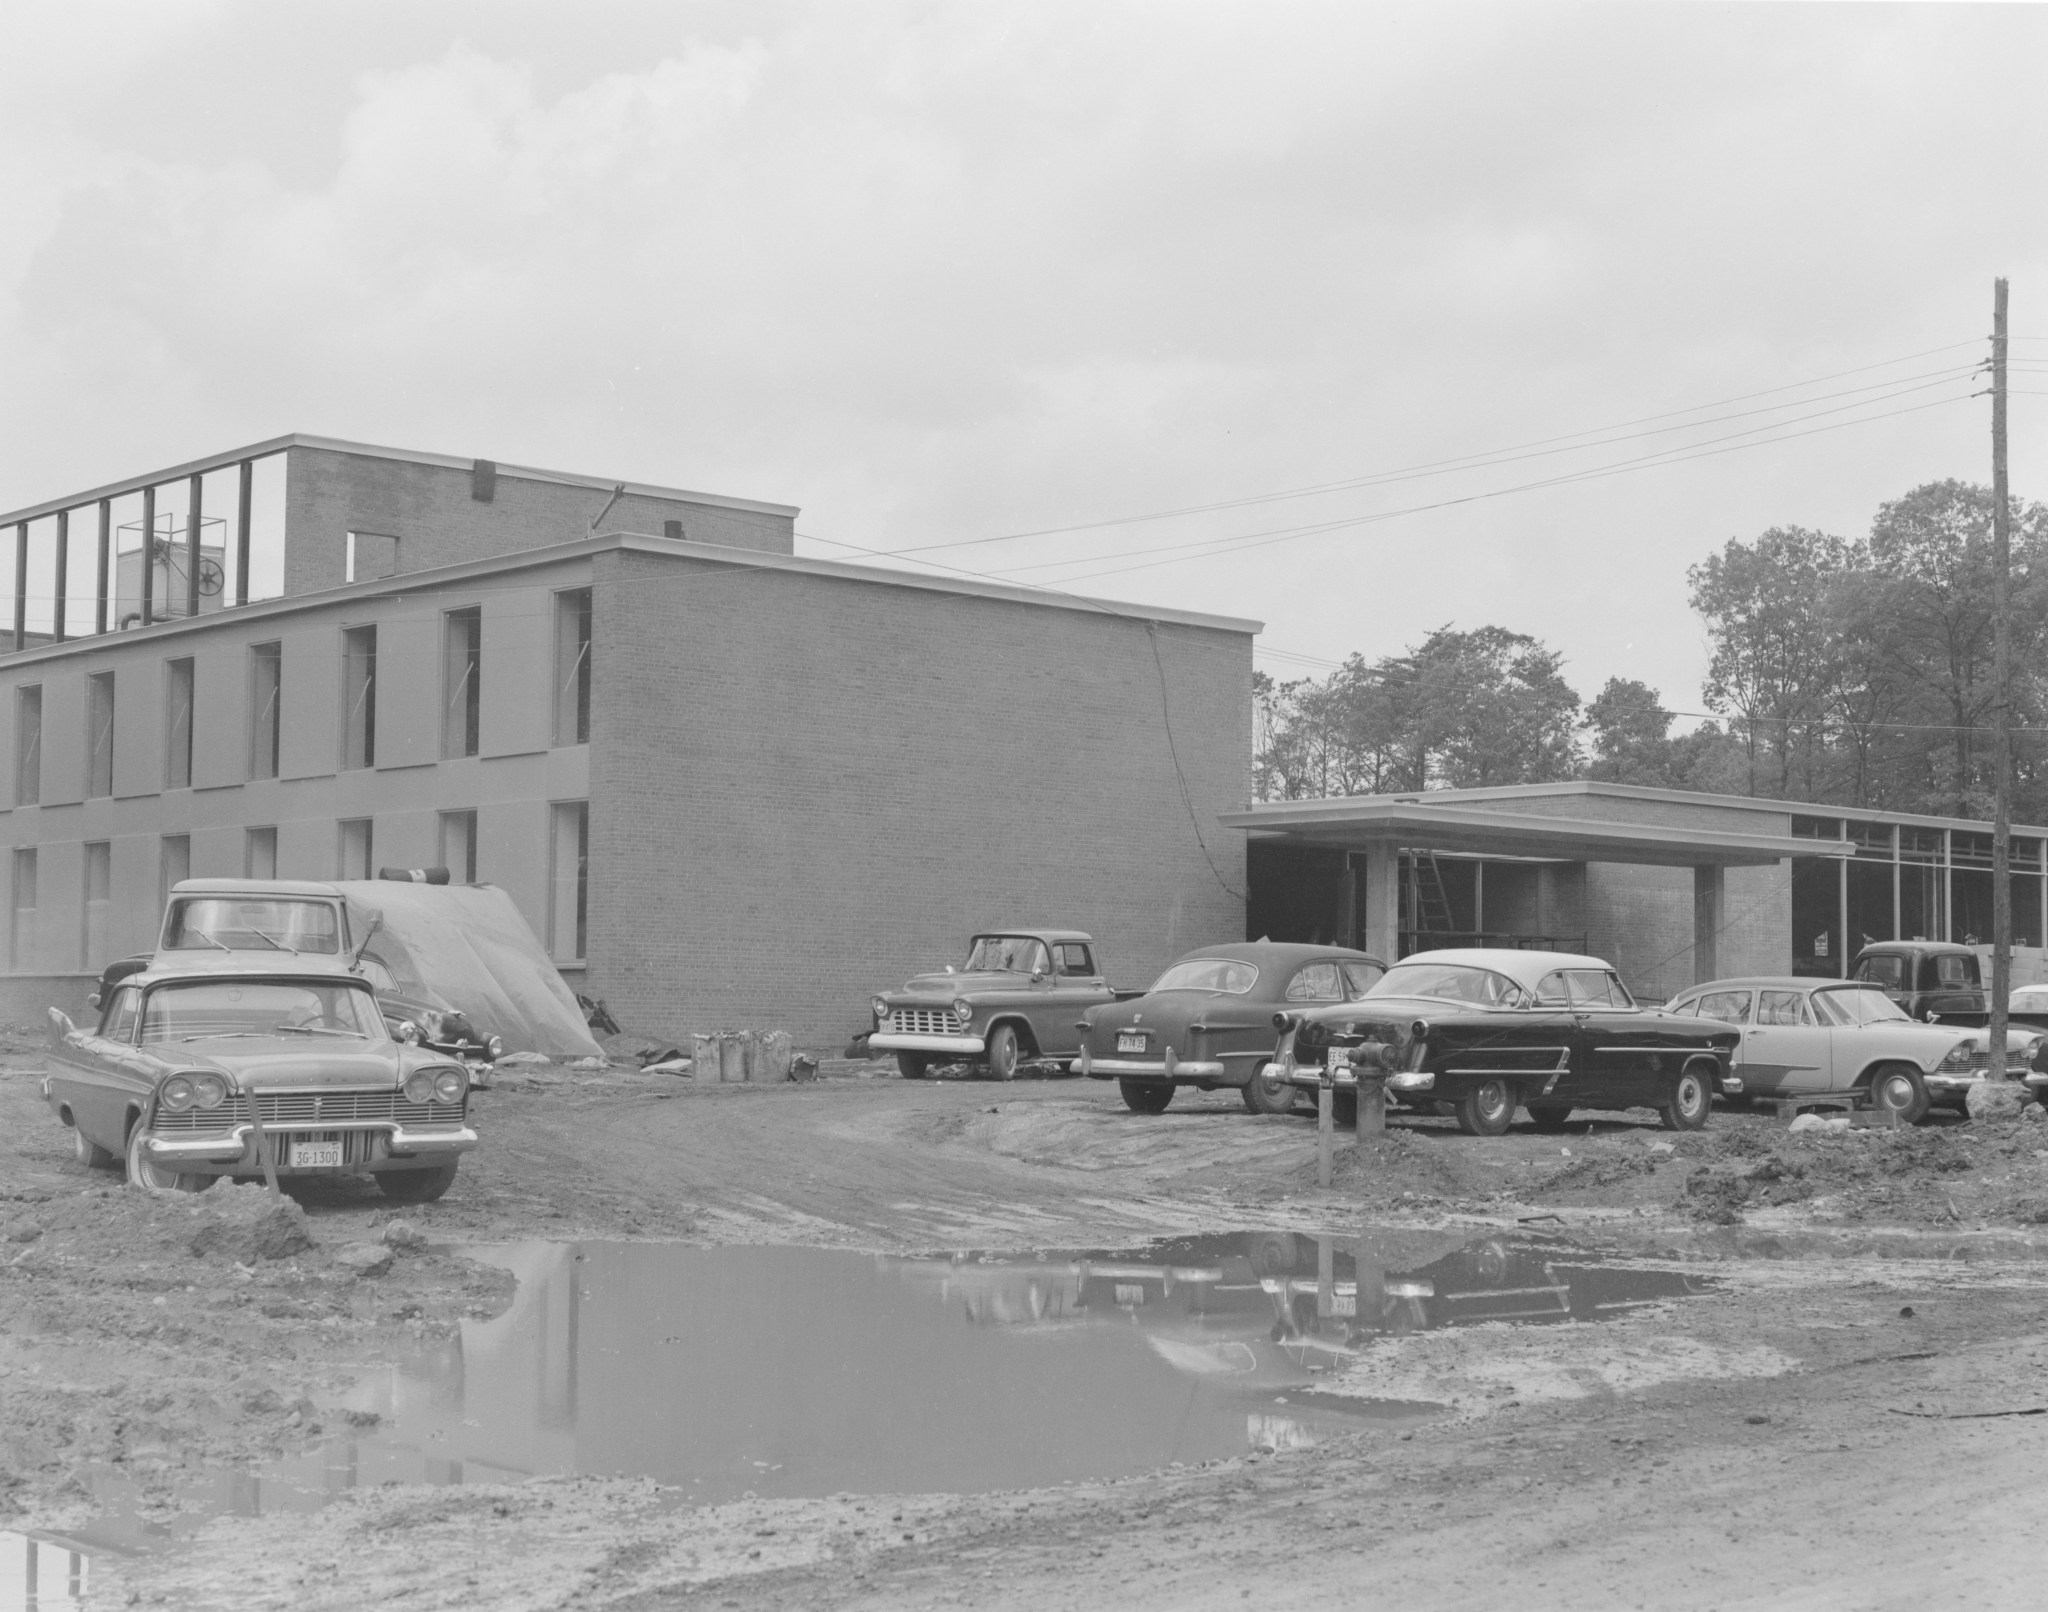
(1773, 668)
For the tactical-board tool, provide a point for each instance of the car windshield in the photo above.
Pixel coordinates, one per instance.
(195, 1010)
(1006, 954)
(1209, 974)
(1854, 1005)
(263, 923)
(1452, 982)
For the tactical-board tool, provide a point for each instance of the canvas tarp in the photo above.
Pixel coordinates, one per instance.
(464, 946)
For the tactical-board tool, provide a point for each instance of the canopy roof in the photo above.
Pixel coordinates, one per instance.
(1498, 829)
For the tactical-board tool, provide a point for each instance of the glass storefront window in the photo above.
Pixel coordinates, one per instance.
(1870, 902)
(1816, 916)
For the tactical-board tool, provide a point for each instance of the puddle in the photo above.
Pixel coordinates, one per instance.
(40, 1573)
(786, 1372)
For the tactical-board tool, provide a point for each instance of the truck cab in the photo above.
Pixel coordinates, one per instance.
(1930, 979)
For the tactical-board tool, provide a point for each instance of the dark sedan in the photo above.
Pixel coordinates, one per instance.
(1490, 1031)
(1208, 1021)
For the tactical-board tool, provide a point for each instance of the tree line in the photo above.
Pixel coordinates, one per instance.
(1847, 671)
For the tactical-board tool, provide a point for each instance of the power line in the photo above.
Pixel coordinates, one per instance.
(1439, 464)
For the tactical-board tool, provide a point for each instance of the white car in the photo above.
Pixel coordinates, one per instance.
(1806, 1037)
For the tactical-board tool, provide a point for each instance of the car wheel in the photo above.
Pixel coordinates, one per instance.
(912, 1065)
(1146, 1096)
(89, 1153)
(1897, 1088)
(1549, 1116)
(1488, 1110)
(1003, 1053)
(1264, 1094)
(1688, 1103)
(417, 1186)
(153, 1177)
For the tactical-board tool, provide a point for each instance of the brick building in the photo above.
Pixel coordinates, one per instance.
(726, 785)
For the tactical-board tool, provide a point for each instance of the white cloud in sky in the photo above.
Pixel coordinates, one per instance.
(938, 271)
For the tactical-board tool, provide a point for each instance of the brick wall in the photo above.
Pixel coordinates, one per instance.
(806, 788)
(428, 508)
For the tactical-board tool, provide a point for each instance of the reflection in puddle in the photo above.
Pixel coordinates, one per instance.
(801, 1372)
(40, 1573)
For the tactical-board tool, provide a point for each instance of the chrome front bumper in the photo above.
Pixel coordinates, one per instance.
(239, 1145)
(1169, 1067)
(886, 1042)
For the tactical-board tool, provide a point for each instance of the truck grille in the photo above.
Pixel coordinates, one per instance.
(325, 1110)
(924, 1021)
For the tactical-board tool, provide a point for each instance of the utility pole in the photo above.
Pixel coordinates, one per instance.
(2001, 721)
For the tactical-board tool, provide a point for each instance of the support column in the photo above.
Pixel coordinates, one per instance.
(1383, 901)
(1347, 904)
(1709, 904)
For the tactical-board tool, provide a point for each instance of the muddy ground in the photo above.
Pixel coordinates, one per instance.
(1857, 1416)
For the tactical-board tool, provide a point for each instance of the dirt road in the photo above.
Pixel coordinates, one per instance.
(1856, 1415)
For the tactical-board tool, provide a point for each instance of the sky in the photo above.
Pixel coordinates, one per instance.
(1113, 274)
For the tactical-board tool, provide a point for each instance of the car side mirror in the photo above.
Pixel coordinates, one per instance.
(93, 1001)
(1037, 976)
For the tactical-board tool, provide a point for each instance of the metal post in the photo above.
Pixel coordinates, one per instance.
(63, 570)
(1326, 1129)
(193, 510)
(148, 555)
(2001, 709)
(106, 566)
(242, 507)
(21, 586)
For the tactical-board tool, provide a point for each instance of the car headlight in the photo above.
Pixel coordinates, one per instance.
(208, 1091)
(881, 1008)
(419, 1086)
(175, 1094)
(1960, 1056)
(963, 1011)
(449, 1085)
(494, 1049)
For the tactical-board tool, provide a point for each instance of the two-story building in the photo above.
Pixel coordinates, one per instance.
(725, 784)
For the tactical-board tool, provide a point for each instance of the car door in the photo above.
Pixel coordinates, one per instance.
(1073, 986)
(1785, 1050)
(93, 1072)
(1555, 1021)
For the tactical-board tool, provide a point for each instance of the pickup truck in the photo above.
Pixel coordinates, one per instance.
(1938, 981)
(1019, 996)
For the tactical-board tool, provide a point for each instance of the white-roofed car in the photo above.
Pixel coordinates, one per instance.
(1489, 1030)
(1807, 1038)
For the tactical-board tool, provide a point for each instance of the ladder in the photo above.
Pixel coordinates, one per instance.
(1431, 902)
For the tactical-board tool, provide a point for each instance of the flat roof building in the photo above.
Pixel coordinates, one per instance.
(727, 785)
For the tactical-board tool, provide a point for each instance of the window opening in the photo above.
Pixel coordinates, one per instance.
(266, 691)
(178, 724)
(359, 697)
(462, 671)
(99, 762)
(572, 667)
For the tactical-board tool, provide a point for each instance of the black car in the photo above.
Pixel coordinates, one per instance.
(1489, 1031)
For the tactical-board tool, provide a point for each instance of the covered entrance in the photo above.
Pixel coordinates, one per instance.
(1396, 875)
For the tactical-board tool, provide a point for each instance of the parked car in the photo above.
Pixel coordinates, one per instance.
(1019, 995)
(1487, 1031)
(1806, 1037)
(1929, 979)
(1207, 1022)
(192, 1058)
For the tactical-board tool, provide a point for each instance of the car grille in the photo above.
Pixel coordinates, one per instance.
(925, 1021)
(323, 1110)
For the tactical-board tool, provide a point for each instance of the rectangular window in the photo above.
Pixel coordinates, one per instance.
(21, 935)
(28, 745)
(355, 849)
(259, 853)
(461, 670)
(370, 555)
(266, 693)
(178, 724)
(99, 902)
(458, 846)
(569, 882)
(99, 719)
(359, 697)
(174, 865)
(572, 667)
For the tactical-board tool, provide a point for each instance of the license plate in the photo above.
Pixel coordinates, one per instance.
(1129, 1293)
(1337, 1058)
(1344, 1304)
(315, 1154)
(1130, 1041)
